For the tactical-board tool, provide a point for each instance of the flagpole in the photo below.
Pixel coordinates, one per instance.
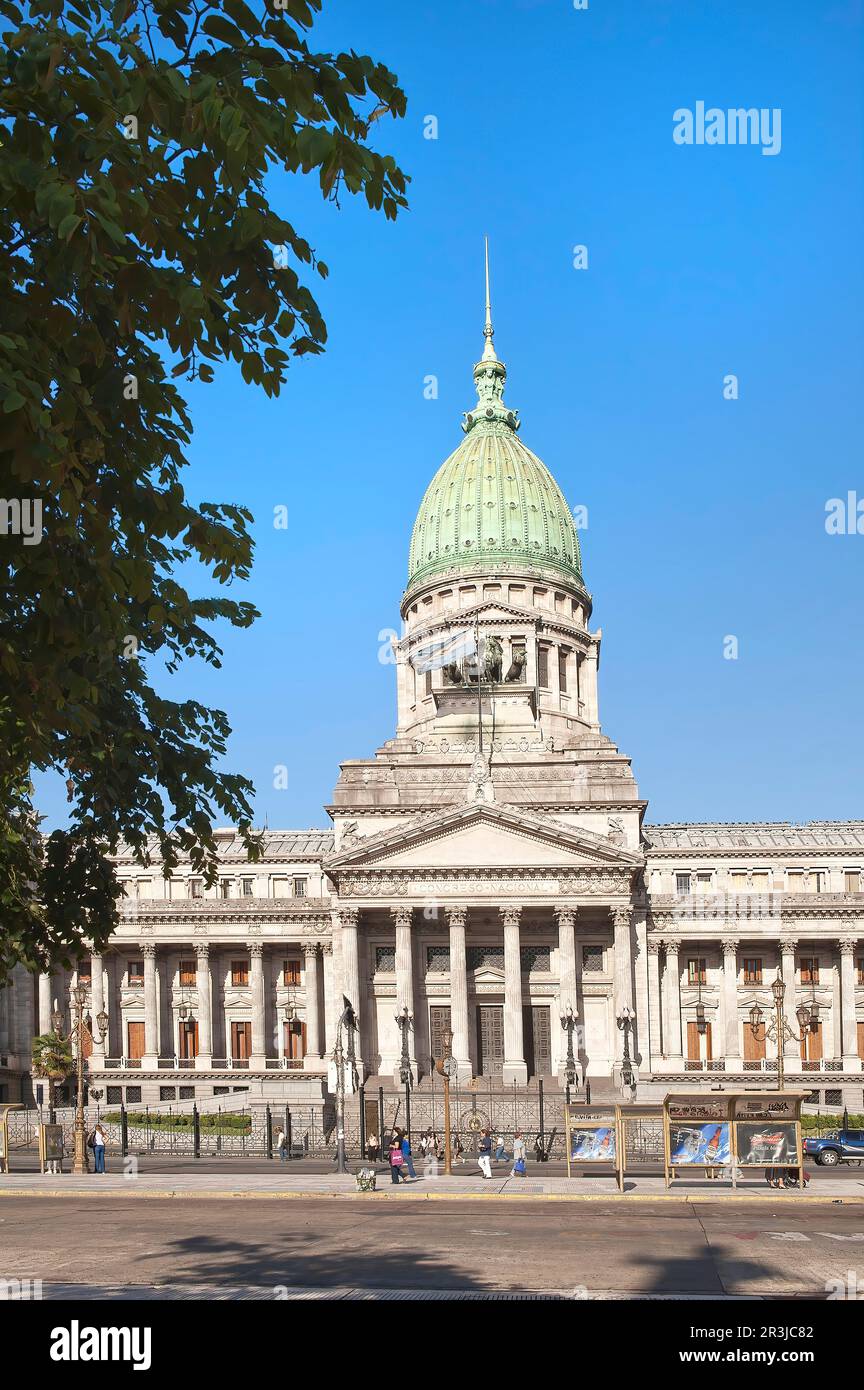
(479, 674)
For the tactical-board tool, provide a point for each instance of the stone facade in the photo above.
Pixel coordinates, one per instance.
(488, 870)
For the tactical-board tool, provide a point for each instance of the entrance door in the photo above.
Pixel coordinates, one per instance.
(294, 1039)
(439, 1024)
(188, 1040)
(696, 1050)
(811, 1045)
(135, 1041)
(861, 1040)
(241, 1041)
(490, 1039)
(754, 1044)
(537, 1036)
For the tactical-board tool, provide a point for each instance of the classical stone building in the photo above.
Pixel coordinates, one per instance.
(487, 870)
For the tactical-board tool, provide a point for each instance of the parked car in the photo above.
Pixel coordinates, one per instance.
(843, 1146)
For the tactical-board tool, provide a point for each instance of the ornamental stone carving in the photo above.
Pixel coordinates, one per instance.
(402, 916)
(730, 948)
(622, 917)
(349, 916)
(310, 949)
(510, 916)
(848, 945)
(148, 950)
(565, 916)
(256, 949)
(456, 916)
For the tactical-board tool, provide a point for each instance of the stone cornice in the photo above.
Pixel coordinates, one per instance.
(221, 910)
(716, 908)
(592, 882)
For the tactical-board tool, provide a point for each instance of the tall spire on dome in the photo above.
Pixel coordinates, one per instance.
(489, 353)
(490, 375)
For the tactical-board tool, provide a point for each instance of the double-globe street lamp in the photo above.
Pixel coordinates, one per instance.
(568, 1023)
(81, 1030)
(624, 1020)
(778, 1029)
(404, 1022)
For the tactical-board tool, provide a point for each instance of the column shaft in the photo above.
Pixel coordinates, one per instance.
(256, 981)
(848, 1022)
(151, 1007)
(45, 1024)
(515, 1069)
(787, 958)
(205, 1006)
(732, 1042)
(673, 1005)
(313, 1007)
(457, 917)
(405, 982)
(97, 1005)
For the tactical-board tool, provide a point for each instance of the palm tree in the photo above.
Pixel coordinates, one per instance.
(53, 1060)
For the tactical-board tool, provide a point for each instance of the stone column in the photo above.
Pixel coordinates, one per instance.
(568, 985)
(313, 1006)
(673, 1006)
(205, 1005)
(329, 974)
(622, 919)
(656, 1048)
(848, 1025)
(349, 918)
(589, 696)
(402, 916)
(792, 1047)
(457, 918)
(151, 1008)
(256, 982)
(515, 1068)
(97, 1004)
(45, 1003)
(731, 1025)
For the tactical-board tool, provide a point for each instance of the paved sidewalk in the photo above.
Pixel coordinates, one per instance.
(441, 1188)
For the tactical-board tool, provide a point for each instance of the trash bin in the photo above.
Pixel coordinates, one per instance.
(366, 1178)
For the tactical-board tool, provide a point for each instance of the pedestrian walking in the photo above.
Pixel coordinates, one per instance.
(282, 1145)
(501, 1154)
(484, 1156)
(458, 1149)
(519, 1155)
(395, 1159)
(98, 1137)
(372, 1148)
(406, 1154)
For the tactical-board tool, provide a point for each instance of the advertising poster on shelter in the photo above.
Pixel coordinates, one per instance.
(767, 1143)
(593, 1145)
(701, 1144)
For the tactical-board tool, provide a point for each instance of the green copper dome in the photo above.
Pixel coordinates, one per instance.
(492, 499)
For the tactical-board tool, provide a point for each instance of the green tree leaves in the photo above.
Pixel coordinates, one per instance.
(137, 237)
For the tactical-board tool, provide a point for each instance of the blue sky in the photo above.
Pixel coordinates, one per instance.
(706, 516)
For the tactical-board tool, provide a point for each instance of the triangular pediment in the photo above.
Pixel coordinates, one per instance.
(482, 835)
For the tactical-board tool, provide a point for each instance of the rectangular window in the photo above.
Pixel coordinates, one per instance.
(224, 888)
(291, 972)
(543, 667)
(861, 970)
(696, 971)
(188, 972)
(300, 885)
(437, 960)
(196, 888)
(145, 888)
(428, 689)
(187, 1092)
(703, 883)
(562, 669)
(167, 1092)
(247, 887)
(809, 970)
(136, 972)
(752, 970)
(281, 887)
(114, 1095)
(133, 1095)
(385, 960)
(187, 1040)
(738, 881)
(833, 1097)
(241, 1041)
(84, 971)
(682, 884)
(818, 881)
(536, 959)
(592, 960)
(852, 881)
(135, 1040)
(517, 658)
(239, 972)
(485, 957)
(759, 882)
(795, 880)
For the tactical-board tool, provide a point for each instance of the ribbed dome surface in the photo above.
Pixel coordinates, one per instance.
(492, 499)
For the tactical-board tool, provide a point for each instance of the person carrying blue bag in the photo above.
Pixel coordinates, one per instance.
(518, 1169)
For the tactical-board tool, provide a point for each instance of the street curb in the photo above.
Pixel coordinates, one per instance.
(292, 1196)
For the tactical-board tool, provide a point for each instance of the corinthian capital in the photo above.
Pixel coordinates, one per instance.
(349, 916)
(402, 916)
(622, 917)
(456, 916)
(510, 916)
(730, 948)
(848, 945)
(566, 916)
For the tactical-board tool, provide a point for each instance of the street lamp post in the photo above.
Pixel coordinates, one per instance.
(404, 1022)
(778, 1029)
(568, 1023)
(79, 1031)
(348, 1023)
(625, 1023)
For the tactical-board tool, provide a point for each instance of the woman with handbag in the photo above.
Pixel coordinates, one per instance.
(519, 1155)
(396, 1159)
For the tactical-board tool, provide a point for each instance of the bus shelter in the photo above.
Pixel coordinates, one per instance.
(4, 1132)
(729, 1131)
(594, 1138)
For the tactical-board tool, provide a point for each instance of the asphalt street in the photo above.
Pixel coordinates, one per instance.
(253, 1248)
